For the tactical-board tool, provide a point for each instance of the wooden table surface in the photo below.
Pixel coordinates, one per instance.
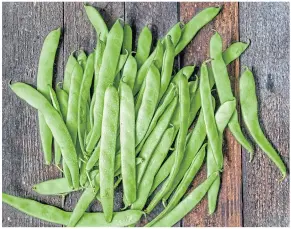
(250, 194)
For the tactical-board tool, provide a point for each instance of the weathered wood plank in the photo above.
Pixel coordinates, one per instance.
(161, 16)
(266, 201)
(25, 25)
(80, 34)
(229, 207)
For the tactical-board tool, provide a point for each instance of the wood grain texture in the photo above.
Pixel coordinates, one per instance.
(229, 207)
(25, 25)
(266, 201)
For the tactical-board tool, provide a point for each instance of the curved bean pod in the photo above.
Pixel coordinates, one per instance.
(183, 186)
(209, 119)
(194, 25)
(127, 143)
(84, 96)
(154, 164)
(249, 107)
(148, 104)
(224, 88)
(184, 107)
(168, 63)
(127, 41)
(82, 59)
(105, 78)
(107, 150)
(97, 22)
(175, 32)
(56, 215)
(129, 71)
(44, 78)
(55, 123)
(187, 204)
(143, 46)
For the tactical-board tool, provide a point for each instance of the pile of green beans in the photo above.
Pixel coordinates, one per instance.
(123, 118)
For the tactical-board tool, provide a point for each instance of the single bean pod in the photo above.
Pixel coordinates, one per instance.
(83, 203)
(69, 68)
(44, 78)
(249, 107)
(55, 123)
(209, 119)
(106, 76)
(194, 25)
(143, 46)
(224, 88)
(98, 61)
(148, 104)
(82, 59)
(97, 21)
(55, 215)
(74, 94)
(222, 117)
(121, 62)
(107, 150)
(129, 71)
(127, 41)
(168, 63)
(187, 204)
(127, 143)
(84, 96)
(184, 107)
(183, 186)
(175, 33)
(154, 164)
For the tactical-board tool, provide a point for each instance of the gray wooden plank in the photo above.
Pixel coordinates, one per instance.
(25, 26)
(80, 34)
(161, 16)
(266, 201)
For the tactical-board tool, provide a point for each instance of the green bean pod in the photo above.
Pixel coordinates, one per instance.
(143, 46)
(209, 119)
(93, 158)
(168, 63)
(107, 150)
(83, 203)
(54, 122)
(105, 78)
(224, 87)
(187, 204)
(148, 104)
(98, 60)
(160, 110)
(74, 94)
(127, 143)
(55, 215)
(222, 117)
(175, 32)
(184, 107)
(82, 59)
(249, 107)
(194, 25)
(121, 62)
(44, 78)
(97, 22)
(154, 138)
(63, 99)
(69, 68)
(129, 71)
(127, 41)
(183, 186)
(84, 96)
(156, 55)
(154, 164)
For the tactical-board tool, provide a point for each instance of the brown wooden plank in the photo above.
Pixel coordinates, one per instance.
(229, 207)
(25, 26)
(266, 201)
(80, 34)
(161, 16)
